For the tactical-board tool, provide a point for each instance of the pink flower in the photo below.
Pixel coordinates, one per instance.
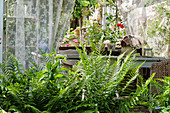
(67, 45)
(99, 30)
(0, 38)
(84, 40)
(75, 41)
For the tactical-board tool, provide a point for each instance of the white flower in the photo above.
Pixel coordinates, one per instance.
(157, 32)
(106, 42)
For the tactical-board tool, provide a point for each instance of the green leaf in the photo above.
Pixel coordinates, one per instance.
(147, 82)
(15, 108)
(46, 112)
(59, 56)
(1, 111)
(59, 76)
(85, 3)
(34, 109)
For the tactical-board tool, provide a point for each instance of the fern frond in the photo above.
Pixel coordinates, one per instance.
(32, 108)
(134, 77)
(80, 106)
(15, 108)
(56, 98)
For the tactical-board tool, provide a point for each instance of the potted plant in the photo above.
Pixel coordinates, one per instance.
(131, 42)
(126, 44)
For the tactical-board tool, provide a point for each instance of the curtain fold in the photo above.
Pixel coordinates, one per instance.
(34, 26)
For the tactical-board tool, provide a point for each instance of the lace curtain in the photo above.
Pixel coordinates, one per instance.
(35, 25)
(136, 14)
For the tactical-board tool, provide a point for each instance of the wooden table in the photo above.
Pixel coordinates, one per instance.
(139, 60)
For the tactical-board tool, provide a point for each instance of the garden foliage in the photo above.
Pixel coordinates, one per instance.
(94, 85)
(162, 97)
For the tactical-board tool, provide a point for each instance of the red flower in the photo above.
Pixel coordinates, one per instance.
(122, 26)
(99, 30)
(118, 25)
(0, 38)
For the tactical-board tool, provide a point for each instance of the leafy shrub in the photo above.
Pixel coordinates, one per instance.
(162, 98)
(104, 80)
(95, 85)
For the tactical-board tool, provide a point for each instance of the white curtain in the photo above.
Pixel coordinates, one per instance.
(35, 25)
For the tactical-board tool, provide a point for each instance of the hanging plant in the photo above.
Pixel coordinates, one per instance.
(84, 8)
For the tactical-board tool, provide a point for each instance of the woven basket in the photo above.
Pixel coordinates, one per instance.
(161, 69)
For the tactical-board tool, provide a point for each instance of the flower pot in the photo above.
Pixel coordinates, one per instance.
(114, 51)
(126, 49)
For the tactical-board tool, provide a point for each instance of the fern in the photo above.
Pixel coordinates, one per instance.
(32, 108)
(162, 98)
(92, 86)
(99, 77)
